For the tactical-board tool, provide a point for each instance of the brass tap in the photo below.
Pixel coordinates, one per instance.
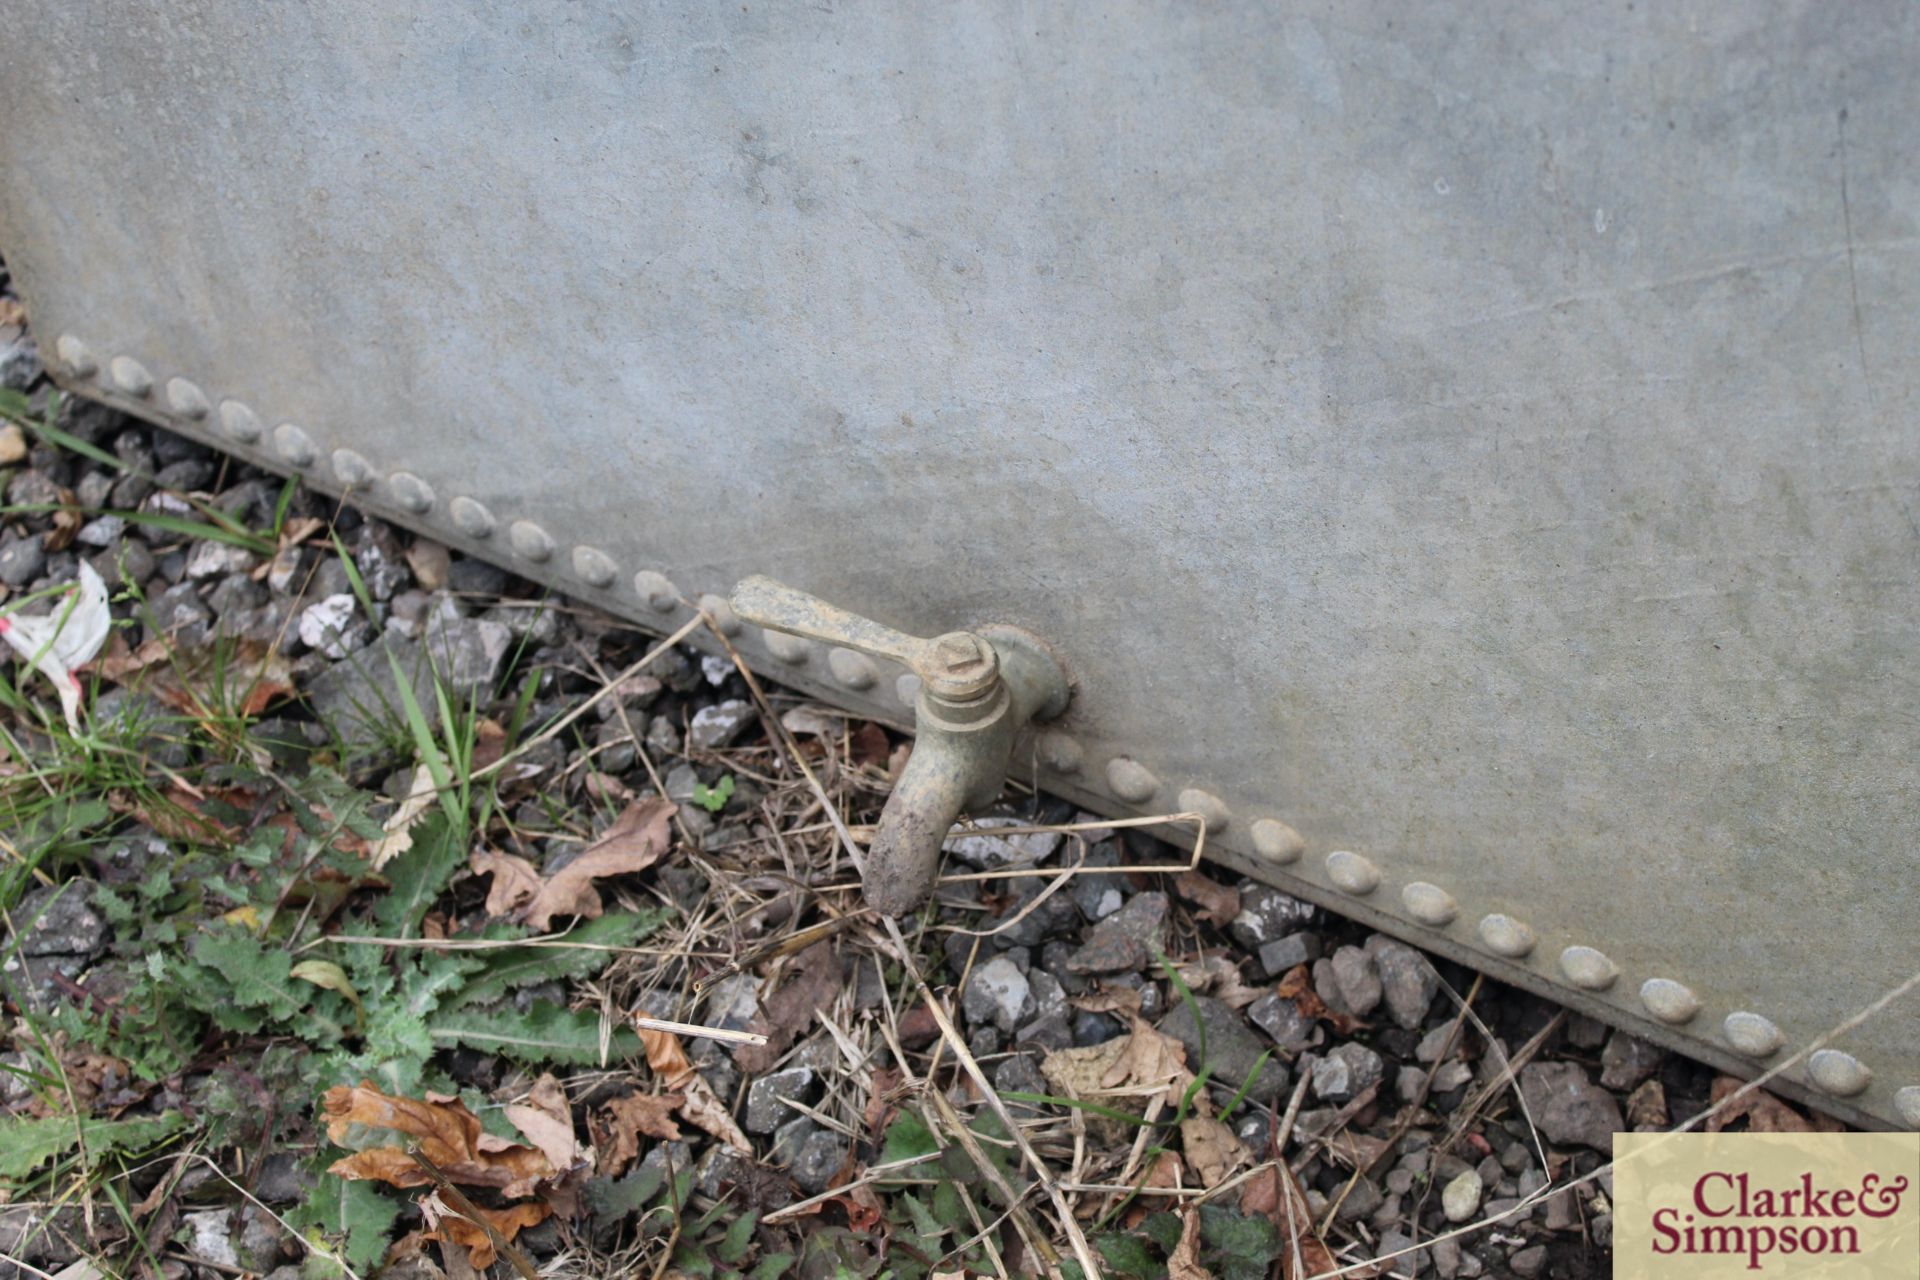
(977, 691)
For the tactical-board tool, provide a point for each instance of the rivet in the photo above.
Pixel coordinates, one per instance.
(1588, 968)
(1276, 841)
(655, 588)
(907, 688)
(1212, 809)
(1907, 1102)
(1429, 904)
(239, 422)
(791, 650)
(1353, 873)
(470, 517)
(295, 445)
(187, 400)
(1752, 1034)
(1131, 780)
(594, 566)
(1506, 936)
(130, 376)
(1061, 752)
(717, 608)
(415, 495)
(1838, 1073)
(74, 355)
(352, 468)
(722, 615)
(1668, 1000)
(530, 541)
(854, 670)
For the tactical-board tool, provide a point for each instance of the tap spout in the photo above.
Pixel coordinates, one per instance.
(940, 781)
(960, 755)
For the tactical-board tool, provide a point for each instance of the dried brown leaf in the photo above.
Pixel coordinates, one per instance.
(882, 1105)
(489, 744)
(546, 1120)
(431, 562)
(447, 1134)
(398, 837)
(451, 1227)
(1218, 904)
(1297, 985)
(176, 813)
(868, 746)
(515, 882)
(66, 523)
(1275, 1193)
(700, 1106)
(1078, 1072)
(1217, 975)
(203, 683)
(604, 788)
(813, 982)
(1647, 1107)
(625, 1120)
(636, 840)
(1110, 1000)
(1184, 1262)
(1151, 1058)
(1763, 1112)
(1212, 1151)
(864, 1211)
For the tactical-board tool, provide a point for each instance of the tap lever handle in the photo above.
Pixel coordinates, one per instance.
(779, 607)
(958, 664)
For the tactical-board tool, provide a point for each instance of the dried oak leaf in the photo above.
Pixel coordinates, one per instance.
(178, 813)
(1077, 1073)
(1218, 976)
(1167, 1171)
(918, 1027)
(451, 1227)
(620, 1124)
(1110, 1000)
(814, 981)
(66, 523)
(1297, 985)
(1212, 1151)
(206, 683)
(1764, 1113)
(604, 788)
(883, 1103)
(489, 744)
(1184, 1262)
(1647, 1107)
(515, 881)
(1151, 1058)
(864, 1211)
(1275, 1194)
(546, 1120)
(868, 745)
(1218, 904)
(636, 840)
(700, 1106)
(398, 828)
(447, 1134)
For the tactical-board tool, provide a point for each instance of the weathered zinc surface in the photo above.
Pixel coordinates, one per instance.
(1476, 437)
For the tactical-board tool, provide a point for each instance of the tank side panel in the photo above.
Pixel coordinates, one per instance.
(1479, 436)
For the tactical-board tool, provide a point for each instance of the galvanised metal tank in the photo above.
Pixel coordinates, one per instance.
(1467, 451)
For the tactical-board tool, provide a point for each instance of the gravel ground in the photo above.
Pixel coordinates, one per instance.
(1375, 1072)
